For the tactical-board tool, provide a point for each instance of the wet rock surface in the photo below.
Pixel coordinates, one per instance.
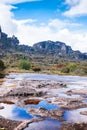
(84, 113)
(75, 105)
(1, 81)
(69, 103)
(1, 107)
(54, 114)
(24, 92)
(80, 92)
(31, 92)
(41, 84)
(8, 124)
(32, 101)
(74, 126)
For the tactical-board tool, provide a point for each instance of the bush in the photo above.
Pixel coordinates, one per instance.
(65, 70)
(36, 69)
(2, 75)
(24, 64)
(72, 67)
(2, 66)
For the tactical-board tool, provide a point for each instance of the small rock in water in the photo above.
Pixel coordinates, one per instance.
(1, 107)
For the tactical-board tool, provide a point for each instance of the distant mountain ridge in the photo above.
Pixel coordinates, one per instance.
(53, 48)
(60, 49)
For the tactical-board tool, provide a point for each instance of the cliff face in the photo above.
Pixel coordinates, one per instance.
(50, 47)
(8, 43)
(60, 49)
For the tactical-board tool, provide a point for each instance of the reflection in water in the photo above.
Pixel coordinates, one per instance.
(75, 116)
(47, 124)
(45, 105)
(85, 101)
(18, 76)
(13, 112)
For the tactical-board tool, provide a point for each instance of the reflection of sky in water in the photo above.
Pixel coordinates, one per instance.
(13, 112)
(44, 104)
(48, 124)
(75, 116)
(69, 96)
(85, 101)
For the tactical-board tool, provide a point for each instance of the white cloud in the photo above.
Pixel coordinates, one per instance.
(56, 24)
(28, 32)
(60, 24)
(72, 2)
(15, 1)
(78, 7)
(6, 19)
(25, 21)
(31, 34)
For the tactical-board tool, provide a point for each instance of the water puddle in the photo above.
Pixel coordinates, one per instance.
(14, 113)
(75, 116)
(69, 96)
(47, 124)
(85, 100)
(45, 105)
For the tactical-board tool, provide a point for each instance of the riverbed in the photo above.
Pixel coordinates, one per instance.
(62, 95)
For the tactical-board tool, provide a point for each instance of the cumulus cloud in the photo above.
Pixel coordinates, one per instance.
(6, 19)
(28, 32)
(77, 7)
(31, 34)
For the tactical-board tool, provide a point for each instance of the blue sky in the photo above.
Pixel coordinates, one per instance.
(41, 10)
(44, 10)
(37, 20)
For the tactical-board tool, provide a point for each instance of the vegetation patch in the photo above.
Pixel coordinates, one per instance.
(24, 64)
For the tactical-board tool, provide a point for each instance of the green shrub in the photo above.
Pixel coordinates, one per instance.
(24, 64)
(72, 67)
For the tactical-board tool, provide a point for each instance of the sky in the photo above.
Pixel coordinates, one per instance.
(33, 21)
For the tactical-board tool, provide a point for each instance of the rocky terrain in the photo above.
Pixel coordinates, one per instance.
(41, 99)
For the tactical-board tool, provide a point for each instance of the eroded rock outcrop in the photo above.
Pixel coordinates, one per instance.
(55, 114)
